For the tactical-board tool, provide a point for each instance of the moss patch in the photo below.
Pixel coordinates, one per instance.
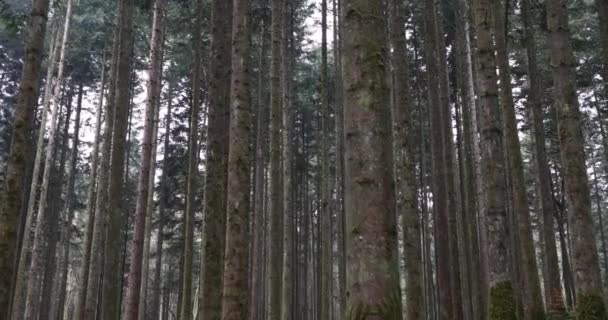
(590, 307)
(502, 302)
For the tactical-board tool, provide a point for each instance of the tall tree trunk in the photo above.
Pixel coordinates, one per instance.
(275, 204)
(531, 293)
(212, 264)
(585, 258)
(235, 282)
(164, 194)
(554, 298)
(288, 275)
(14, 184)
(325, 214)
(373, 282)
(501, 301)
(43, 232)
(602, 13)
(468, 159)
(68, 208)
(406, 191)
(440, 185)
(112, 284)
(191, 179)
(19, 285)
(144, 189)
(257, 275)
(90, 208)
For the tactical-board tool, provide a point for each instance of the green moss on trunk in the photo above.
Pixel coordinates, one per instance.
(590, 307)
(502, 302)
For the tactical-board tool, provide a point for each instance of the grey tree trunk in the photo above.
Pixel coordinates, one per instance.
(235, 282)
(371, 239)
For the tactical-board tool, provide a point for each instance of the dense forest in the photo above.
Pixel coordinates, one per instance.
(303, 159)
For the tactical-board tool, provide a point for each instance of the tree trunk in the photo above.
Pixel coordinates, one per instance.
(373, 282)
(144, 189)
(406, 192)
(112, 284)
(531, 293)
(602, 13)
(585, 258)
(554, 299)
(501, 301)
(440, 185)
(68, 208)
(43, 232)
(325, 214)
(235, 282)
(14, 184)
(275, 205)
(210, 307)
(257, 275)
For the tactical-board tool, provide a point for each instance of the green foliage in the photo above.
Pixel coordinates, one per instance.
(590, 307)
(502, 302)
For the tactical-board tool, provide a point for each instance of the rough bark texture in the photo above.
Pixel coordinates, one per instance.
(554, 298)
(11, 201)
(501, 300)
(275, 203)
(532, 299)
(143, 185)
(235, 283)
(112, 273)
(210, 307)
(585, 261)
(406, 192)
(373, 281)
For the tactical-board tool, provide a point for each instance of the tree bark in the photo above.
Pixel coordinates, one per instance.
(142, 209)
(210, 307)
(501, 301)
(14, 184)
(554, 298)
(112, 274)
(235, 282)
(275, 203)
(585, 258)
(532, 298)
(406, 191)
(373, 282)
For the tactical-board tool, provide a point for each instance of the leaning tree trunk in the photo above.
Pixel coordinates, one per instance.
(19, 285)
(532, 298)
(554, 298)
(42, 233)
(110, 298)
(235, 282)
(405, 181)
(373, 283)
(588, 284)
(501, 301)
(148, 148)
(212, 263)
(11, 201)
